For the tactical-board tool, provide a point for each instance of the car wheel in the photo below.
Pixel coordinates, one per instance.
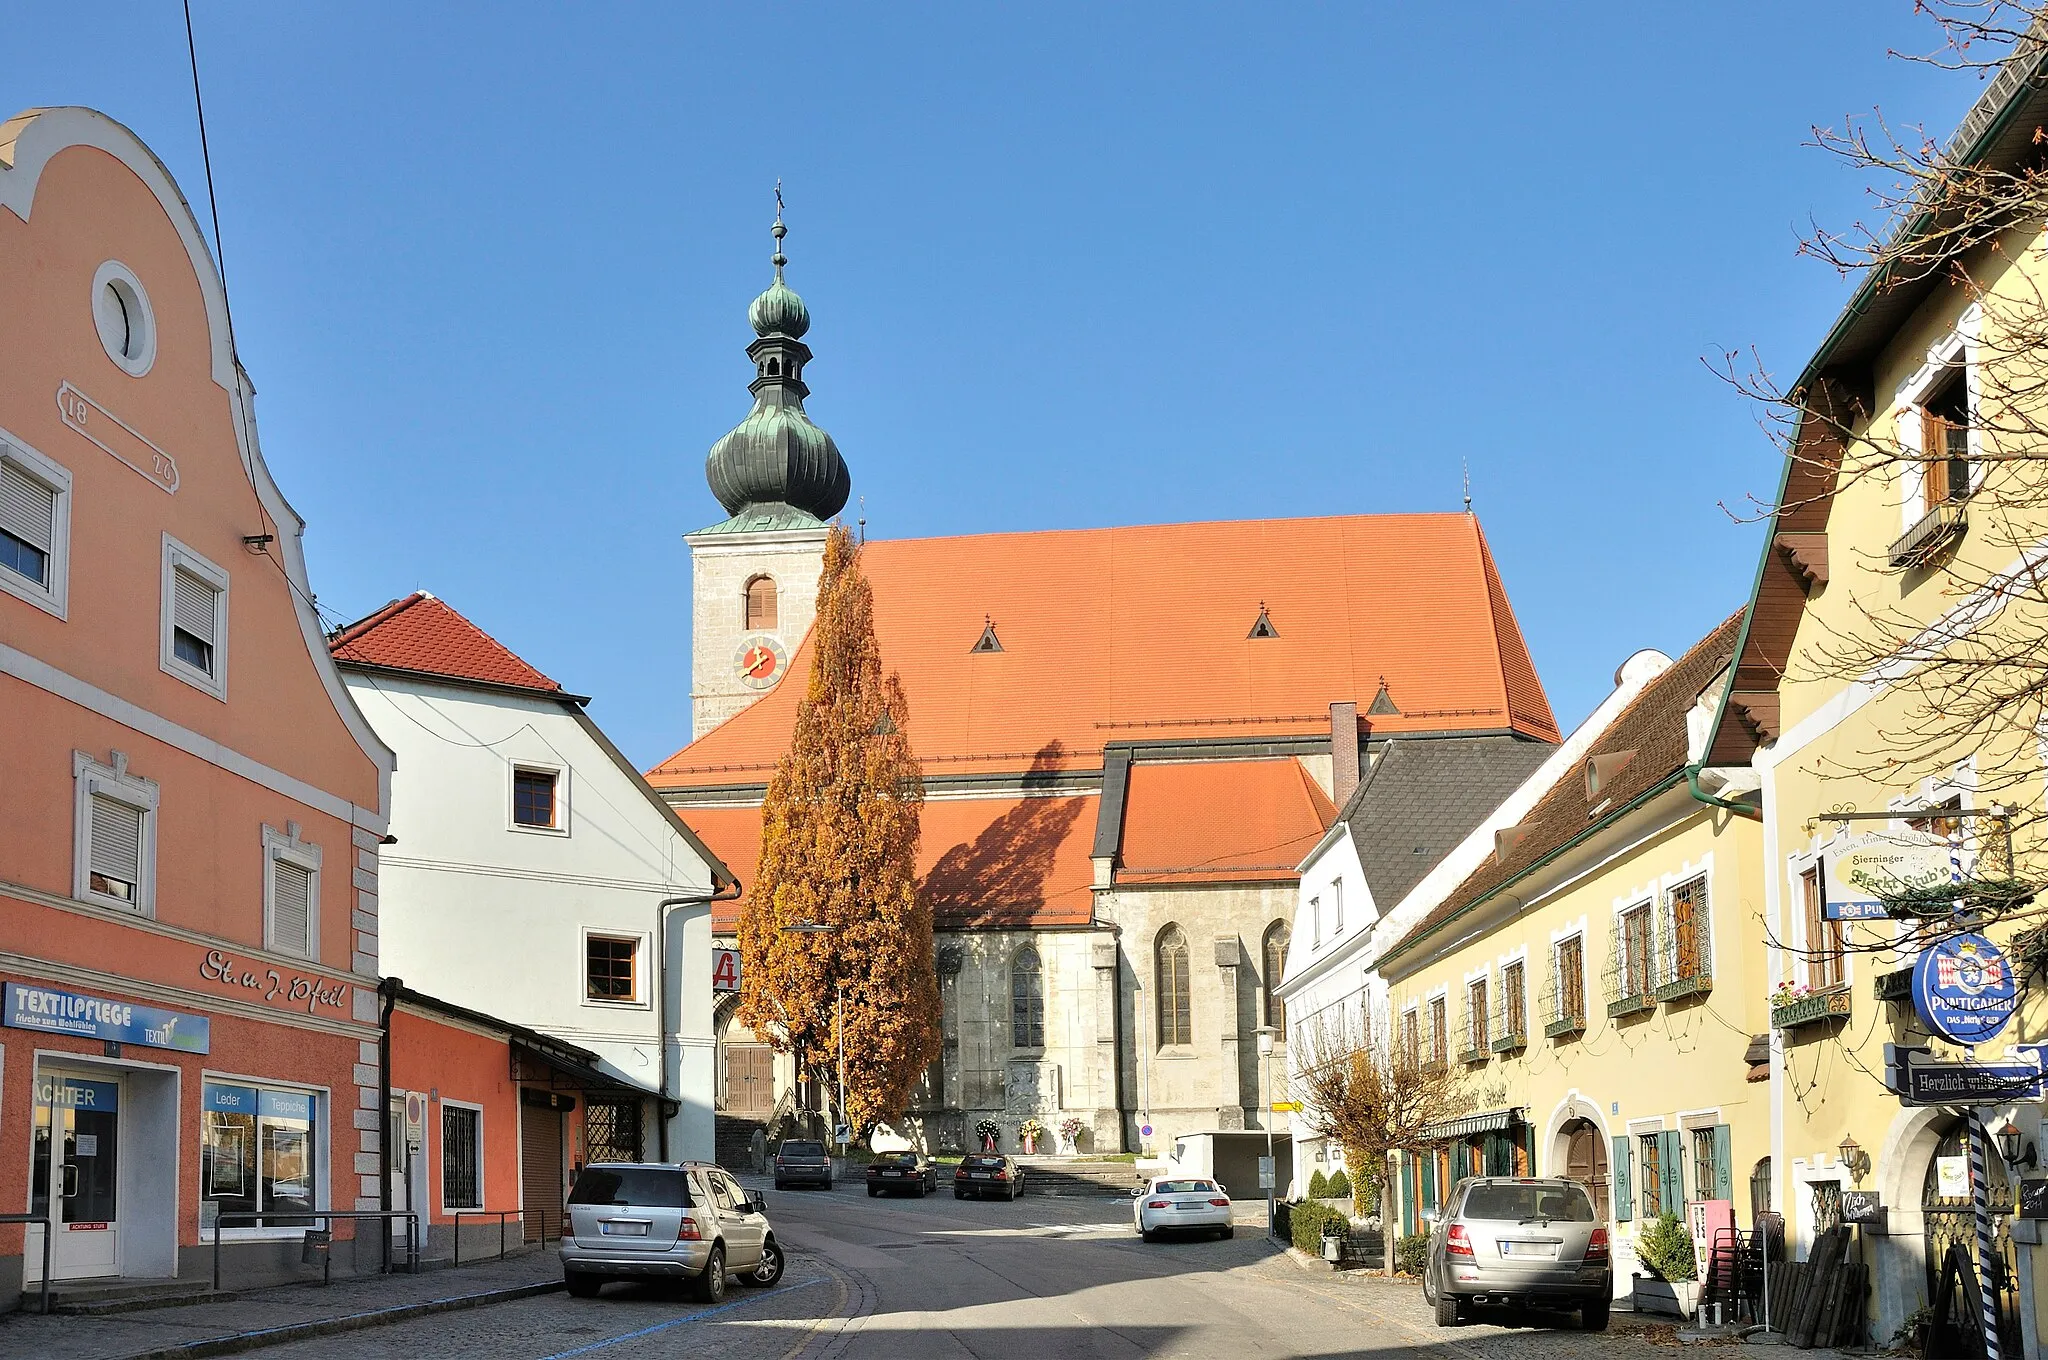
(1148, 1234)
(1593, 1316)
(1229, 1231)
(780, 1185)
(1447, 1311)
(764, 1275)
(959, 1194)
(874, 1190)
(709, 1286)
(583, 1285)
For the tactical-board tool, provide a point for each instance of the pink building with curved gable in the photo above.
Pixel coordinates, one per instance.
(192, 805)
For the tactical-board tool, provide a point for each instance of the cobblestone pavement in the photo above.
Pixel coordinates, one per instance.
(935, 1279)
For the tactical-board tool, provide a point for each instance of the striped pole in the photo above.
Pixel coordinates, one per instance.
(1987, 1250)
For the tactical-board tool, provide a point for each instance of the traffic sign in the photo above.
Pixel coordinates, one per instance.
(1286, 1107)
(1964, 990)
(1265, 1173)
(1145, 1130)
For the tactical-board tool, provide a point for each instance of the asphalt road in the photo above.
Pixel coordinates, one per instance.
(910, 1279)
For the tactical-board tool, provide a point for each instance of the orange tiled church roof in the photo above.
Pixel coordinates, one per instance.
(1139, 634)
(419, 633)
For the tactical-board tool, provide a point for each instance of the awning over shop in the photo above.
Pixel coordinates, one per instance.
(1493, 1121)
(565, 1067)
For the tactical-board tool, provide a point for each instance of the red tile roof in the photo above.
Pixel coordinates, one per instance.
(1224, 822)
(984, 861)
(1139, 634)
(420, 633)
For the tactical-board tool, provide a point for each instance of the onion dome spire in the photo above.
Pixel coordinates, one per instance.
(776, 469)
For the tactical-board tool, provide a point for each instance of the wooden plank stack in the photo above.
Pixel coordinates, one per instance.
(1820, 1301)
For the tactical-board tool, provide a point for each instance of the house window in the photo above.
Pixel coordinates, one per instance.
(1635, 961)
(291, 893)
(1706, 1163)
(1277, 936)
(1945, 441)
(1826, 965)
(195, 619)
(1687, 940)
(1439, 1031)
(1411, 1037)
(1475, 1016)
(462, 1156)
(1176, 1024)
(1571, 981)
(534, 803)
(35, 515)
(1027, 1000)
(1650, 1154)
(611, 968)
(256, 1155)
(1337, 907)
(760, 606)
(115, 835)
(1514, 1005)
(611, 1131)
(1315, 920)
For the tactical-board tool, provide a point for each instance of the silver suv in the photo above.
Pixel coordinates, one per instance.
(665, 1221)
(1519, 1241)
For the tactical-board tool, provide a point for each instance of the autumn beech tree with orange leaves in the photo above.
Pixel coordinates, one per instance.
(839, 835)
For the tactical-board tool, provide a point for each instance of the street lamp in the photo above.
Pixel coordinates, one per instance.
(838, 1029)
(1265, 1033)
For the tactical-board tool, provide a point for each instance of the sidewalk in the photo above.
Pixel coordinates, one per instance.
(237, 1322)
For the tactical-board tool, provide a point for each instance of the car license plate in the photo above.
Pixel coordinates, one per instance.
(892, 1173)
(1543, 1250)
(977, 1175)
(623, 1229)
(1185, 1205)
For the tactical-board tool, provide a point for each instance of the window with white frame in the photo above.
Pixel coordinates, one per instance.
(538, 803)
(1635, 938)
(462, 1155)
(195, 619)
(1337, 906)
(35, 527)
(257, 1155)
(1315, 920)
(1936, 425)
(115, 835)
(291, 893)
(611, 968)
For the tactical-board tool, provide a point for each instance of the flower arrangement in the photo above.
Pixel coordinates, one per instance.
(1070, 1127)
(1031, 1129)
(1788, 992)
(986, 1131)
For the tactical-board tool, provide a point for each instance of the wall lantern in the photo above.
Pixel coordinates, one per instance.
(2009, 1147)
(1852, 1157)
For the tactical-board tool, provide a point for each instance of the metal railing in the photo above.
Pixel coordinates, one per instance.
(411, 1217)
(48, 1236)
(501, 1215)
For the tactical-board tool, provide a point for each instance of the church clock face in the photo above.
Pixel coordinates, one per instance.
(759, 661)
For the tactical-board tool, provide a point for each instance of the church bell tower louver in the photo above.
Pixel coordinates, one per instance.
(780, 479)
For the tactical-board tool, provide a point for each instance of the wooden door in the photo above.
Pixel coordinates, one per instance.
(1586, 1162)
(749, 1080)
(541, 1188)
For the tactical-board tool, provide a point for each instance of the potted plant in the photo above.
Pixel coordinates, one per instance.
(986, 1131)
(1665, 1247)
(1070, 1134)
(1031, 1131)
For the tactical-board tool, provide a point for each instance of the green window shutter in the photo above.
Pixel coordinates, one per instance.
(1724, 1163)
(1624, 1197)
(1671, 1151)
(1429, 1180)
(1408, 1215)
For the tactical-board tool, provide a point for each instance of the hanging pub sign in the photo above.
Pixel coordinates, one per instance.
(1858, 872)
(1919, 1078)
(1964, 990)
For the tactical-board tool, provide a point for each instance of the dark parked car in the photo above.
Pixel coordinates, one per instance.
(656, 1221)
(802, 1161)
(903, 1171)
(1519, 1241)
(988, 1173)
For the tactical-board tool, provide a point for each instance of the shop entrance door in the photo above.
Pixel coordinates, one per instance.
(78, 1119)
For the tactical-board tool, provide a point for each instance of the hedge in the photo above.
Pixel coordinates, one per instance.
(1307, 1220)
(1340, 1184)
(1319, 1186)
(1411, 1254)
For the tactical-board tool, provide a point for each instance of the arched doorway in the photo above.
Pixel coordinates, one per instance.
(1948, 1218)
(1585, 1161)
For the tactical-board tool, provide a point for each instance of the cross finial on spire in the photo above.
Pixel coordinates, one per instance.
(778, 231)
(1468, 484)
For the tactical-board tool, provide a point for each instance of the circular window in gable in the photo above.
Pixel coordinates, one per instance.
(120, 312)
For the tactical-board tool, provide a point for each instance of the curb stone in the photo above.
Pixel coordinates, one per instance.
(349, 1322)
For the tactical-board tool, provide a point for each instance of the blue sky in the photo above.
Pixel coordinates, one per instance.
(1067, 267)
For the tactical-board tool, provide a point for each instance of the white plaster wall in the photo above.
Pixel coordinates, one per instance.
(490, 917)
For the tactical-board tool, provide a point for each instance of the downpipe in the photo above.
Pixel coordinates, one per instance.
(725, 894)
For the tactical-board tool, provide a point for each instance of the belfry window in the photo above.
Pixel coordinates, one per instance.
(761, 605)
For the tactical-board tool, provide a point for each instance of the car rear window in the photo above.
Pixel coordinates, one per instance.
(796, 1149)
(651, 1187)
(985, 1161)
(897, 1159)
(1513, 1203)
(1185, 1187)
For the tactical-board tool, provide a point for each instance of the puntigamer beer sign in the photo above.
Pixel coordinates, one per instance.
(1964, 990)
(97, 1017)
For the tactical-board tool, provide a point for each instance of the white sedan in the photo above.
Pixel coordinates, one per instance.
(1180, 1204)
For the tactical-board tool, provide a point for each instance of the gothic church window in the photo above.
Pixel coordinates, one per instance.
(1276, 969)
(761, 604)
(1027, 1000)
(1176, 1024)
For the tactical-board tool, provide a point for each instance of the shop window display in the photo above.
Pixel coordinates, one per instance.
(256, 1156)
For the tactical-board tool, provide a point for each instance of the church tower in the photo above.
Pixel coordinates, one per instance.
(780, 478)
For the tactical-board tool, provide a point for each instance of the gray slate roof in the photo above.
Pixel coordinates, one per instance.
(1422, 795)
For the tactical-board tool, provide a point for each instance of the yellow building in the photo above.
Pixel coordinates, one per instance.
(1598, 980)
(1904, 542)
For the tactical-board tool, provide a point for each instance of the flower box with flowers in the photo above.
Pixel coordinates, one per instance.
(1796, 1004)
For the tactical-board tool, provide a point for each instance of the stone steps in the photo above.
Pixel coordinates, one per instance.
(1078, 1177)
(119, 1296)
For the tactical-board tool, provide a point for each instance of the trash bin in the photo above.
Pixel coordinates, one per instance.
(317, 1244)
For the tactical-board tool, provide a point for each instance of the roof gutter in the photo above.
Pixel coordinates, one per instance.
(1692, 786)
(1656, 790)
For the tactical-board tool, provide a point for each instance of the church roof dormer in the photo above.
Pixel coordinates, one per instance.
(776, 469)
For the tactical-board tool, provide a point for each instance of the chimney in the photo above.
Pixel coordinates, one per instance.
(1343, 751)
